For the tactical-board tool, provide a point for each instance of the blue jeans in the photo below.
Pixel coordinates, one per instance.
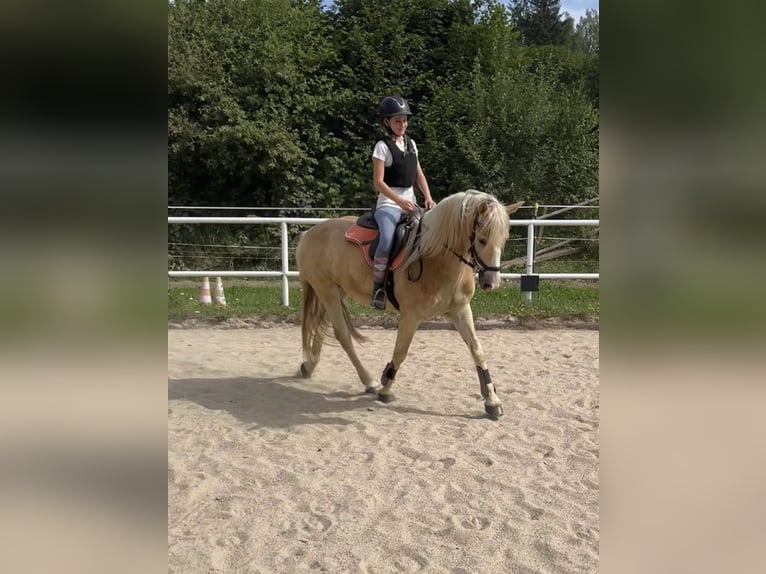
(386, 217)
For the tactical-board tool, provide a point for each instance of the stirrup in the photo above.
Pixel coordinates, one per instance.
(378, 300)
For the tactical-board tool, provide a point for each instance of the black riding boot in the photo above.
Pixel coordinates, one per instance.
(378, 300)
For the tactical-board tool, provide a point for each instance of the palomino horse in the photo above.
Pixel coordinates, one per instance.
(463, 234)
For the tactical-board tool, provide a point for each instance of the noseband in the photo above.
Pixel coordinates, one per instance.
(477, 263)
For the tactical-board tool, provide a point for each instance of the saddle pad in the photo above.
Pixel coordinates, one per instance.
(364, 238)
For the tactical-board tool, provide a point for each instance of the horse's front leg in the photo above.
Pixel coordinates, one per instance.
(463, 321)
(407, 328)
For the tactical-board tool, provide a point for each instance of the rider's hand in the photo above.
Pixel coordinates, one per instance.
(430, 204)
(407, 206)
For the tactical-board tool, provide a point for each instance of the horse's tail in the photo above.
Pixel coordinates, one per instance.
(314, 323)
(358, 337)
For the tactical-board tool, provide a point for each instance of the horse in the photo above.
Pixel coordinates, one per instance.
(462, 235)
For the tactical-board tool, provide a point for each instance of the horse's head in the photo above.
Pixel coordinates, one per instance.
(489, 232)
(471, 225)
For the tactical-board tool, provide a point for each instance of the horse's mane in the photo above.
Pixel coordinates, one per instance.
(448, 226)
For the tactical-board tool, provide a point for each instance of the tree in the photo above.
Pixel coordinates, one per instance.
(249, 88)
(250, 96)
(540, 22)
(273, 102)
(396, 47)
(523, 127)
(586, 34)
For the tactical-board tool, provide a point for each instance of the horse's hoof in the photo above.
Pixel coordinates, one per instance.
(494, 412)
(305, 373)
(385, 398)
(372, 389)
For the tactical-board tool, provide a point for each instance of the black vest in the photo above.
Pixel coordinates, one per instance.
(403, 171)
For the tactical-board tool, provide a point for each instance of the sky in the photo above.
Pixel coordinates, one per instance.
(577, 8)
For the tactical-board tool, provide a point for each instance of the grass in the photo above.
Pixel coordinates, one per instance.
(252, 299)
(564, 266)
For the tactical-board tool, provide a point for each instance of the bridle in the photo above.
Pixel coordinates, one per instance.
(477, 263)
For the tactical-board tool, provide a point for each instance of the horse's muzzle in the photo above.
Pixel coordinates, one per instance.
(489, 281)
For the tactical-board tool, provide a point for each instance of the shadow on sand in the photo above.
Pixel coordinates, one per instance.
(280, 402)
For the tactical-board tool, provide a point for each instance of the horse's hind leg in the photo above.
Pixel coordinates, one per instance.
(342, 330)
(463, 321)
(312, 357)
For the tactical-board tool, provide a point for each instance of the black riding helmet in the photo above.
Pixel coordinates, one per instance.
(394, 106)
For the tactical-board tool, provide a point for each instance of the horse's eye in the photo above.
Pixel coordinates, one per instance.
(483, 242)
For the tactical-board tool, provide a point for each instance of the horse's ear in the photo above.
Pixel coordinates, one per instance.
(513, 207)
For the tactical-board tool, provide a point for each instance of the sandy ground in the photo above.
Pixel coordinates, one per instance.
(270, 473)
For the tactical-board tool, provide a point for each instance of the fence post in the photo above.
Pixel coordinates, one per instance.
(530, 255)
(285, 265)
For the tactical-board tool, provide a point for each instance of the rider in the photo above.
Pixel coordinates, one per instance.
(395, 169)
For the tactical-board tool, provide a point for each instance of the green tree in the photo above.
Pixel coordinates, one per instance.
(586, 33)
(540, 22)
(250, 95)
(523, 127)
(247, 83)
(395, 47)
(273, 102)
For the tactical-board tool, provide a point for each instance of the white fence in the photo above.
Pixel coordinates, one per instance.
(285, 272)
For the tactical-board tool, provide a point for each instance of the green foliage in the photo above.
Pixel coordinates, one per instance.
(273, 103)
(522, 127)
(540, 22)
(247, 82)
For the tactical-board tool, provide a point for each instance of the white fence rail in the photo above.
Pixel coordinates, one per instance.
(285, 272)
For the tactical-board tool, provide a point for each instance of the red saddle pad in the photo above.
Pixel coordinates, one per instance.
(363, 237)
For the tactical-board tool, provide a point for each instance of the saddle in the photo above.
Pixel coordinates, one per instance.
(365, 234)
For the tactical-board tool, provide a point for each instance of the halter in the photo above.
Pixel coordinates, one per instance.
(477, 263)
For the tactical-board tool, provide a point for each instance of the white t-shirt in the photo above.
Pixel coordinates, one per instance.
(382, 153)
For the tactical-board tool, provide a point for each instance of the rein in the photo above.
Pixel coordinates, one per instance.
(415, 243)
